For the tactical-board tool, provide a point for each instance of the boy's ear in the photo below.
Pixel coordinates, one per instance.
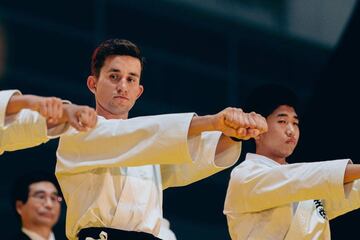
(91, 83)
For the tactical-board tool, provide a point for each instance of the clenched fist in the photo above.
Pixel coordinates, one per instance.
(233, 122)
(81, 118)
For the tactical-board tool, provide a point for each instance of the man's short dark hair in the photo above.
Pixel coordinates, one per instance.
(21, 186)
(111, 47)
(266, 98)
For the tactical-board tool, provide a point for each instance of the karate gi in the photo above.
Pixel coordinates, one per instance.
(267, 200)
(113, 175)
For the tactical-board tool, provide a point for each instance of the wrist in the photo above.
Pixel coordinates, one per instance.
(235, 139)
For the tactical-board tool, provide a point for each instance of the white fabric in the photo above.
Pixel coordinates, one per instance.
(113, 175)
(102, 236)
(165, 231)
(5, 96)
(262, 193)
(24, 129)
(34, 236)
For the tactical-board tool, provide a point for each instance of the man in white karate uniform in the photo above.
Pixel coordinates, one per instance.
(112, 177)
(267, 198)
(29, 120)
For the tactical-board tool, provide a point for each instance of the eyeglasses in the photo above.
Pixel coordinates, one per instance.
(42, 197)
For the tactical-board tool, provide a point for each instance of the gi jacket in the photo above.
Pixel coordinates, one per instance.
(113, 176)
(267, 200)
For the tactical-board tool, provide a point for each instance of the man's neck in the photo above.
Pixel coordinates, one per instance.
(108, 115)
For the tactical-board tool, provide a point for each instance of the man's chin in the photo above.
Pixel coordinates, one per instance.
(48, 220)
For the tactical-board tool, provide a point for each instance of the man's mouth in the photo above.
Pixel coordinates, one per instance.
(47, 215)
(291, 141)
(121, 97)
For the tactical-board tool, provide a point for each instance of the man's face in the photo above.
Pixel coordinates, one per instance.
(42, 207)
(118, 86)
(283, 133)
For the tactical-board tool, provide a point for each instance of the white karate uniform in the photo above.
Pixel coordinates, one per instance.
(165, 231)
(267, 200)
(24, 129)
(113, 175)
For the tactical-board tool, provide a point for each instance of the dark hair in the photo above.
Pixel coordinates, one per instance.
(265, 99)
(20, 191)
(110, 47)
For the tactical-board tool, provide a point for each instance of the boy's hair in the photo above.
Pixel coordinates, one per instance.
(266, 98)
(111, 47)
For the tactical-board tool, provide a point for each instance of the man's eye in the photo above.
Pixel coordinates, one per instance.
(113, 77)
(282, 121)
(40, 196)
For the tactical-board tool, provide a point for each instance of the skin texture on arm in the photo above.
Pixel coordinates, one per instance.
(48, 107)
(81, 118)
(352, 173)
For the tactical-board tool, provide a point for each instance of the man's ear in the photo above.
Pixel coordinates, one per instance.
(18, 206)
(91, 83)
(141, 90)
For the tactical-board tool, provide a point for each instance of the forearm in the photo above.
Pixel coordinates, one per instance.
(352, 172)
(17, 103)
(200, 124)
(225, 143)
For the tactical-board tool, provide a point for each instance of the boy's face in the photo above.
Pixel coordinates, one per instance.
(283, 133)
(118, 86)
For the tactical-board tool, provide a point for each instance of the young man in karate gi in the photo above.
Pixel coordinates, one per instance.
(267, 198)
(29, 120)
(112, 177)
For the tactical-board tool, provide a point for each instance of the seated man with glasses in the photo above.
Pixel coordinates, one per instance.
(37, 200)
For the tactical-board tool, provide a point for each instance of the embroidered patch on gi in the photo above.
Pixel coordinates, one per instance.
(320, 209)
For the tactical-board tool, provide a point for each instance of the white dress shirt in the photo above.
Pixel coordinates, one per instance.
(263, 194)
(113, 175)
(34, 236)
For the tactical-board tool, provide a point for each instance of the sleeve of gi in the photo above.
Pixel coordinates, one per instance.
(335, 207)
(205, 163)
(160, 139)
(24, 129)
(254, 189)
(5, 96)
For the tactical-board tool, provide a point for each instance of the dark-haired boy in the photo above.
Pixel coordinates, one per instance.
(268, 198)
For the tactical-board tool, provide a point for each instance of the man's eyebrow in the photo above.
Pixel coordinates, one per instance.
(118, 70)
(134, 74)
(44, 192)
(282, 115)
(286, 115)
(114, 70)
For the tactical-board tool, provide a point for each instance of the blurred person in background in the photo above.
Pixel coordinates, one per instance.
(37, 200)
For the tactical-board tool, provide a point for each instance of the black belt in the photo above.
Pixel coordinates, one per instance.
(114, 234)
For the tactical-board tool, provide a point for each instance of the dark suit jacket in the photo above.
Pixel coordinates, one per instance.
(21, 236)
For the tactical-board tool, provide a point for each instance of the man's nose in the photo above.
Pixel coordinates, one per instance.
(49, 203)
(290, 130)
(122, 85)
